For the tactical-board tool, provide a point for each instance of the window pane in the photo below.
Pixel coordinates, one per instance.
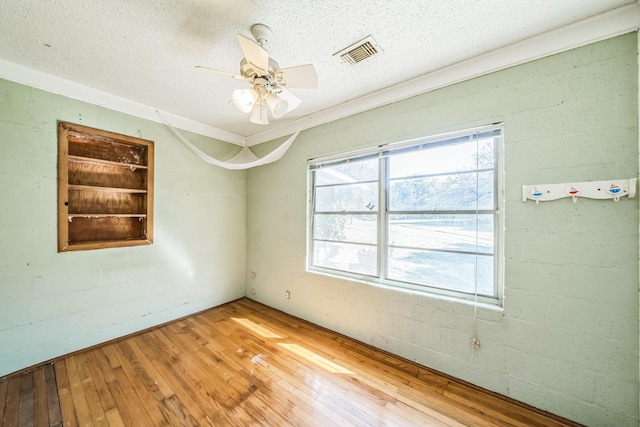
(444, 232)
(350, 197)
(359, 259)
(443, 159)
(442, 270)
(346, 227)
(354, 171)
(443, 193)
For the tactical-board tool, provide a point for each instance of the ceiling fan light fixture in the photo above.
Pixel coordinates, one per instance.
(269, 81)
(245, 99)
(277, 105)
(259, 114)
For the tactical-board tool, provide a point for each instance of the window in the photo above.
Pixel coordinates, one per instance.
(421, 214)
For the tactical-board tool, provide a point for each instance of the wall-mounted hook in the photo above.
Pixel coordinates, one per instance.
(613, 189)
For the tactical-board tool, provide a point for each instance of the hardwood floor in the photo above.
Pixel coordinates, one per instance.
(244, 364)
(30, 399)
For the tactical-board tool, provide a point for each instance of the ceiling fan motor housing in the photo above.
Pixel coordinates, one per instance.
(273, 76)
(261, 33)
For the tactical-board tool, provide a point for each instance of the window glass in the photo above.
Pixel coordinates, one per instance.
(445, 270)
(462, 233)
(460, 191)
(345, 227)
(443, 158)
(348, 172)
(361, 259)
(359, 197)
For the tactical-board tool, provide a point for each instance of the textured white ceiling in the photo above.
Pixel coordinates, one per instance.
(146, 50)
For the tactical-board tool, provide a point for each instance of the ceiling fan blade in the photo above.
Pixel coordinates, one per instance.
(302, 76)
(254, 53)
(293, 100)
(235, 76)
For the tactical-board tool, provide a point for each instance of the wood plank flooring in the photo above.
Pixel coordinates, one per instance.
(30, 399)
(245, 364)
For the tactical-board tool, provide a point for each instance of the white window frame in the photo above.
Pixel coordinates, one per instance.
(386, 150)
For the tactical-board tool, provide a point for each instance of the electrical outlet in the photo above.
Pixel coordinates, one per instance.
(475, 343)
(253, 274)
(287, 295)
(253, 291)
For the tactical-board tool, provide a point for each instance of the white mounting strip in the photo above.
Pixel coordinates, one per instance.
(613, 189)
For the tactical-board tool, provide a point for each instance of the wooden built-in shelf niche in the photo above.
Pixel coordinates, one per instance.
(105, 189)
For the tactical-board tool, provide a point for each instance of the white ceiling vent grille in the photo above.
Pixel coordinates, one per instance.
(359, 51)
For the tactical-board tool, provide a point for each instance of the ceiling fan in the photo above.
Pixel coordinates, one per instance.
(269, 82)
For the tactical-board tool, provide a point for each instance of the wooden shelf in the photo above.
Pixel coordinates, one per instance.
(106, 215)
(91, 160)
(105, 189)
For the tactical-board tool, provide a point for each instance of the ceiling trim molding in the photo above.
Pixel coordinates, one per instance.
(609, 24)
(40, 80)
(619, 21)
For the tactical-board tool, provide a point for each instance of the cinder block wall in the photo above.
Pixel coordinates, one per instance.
(566, 339)
(54, 303)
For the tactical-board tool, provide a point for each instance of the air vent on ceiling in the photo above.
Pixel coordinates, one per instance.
(359, 51)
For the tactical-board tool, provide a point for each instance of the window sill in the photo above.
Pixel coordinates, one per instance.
(431, 293)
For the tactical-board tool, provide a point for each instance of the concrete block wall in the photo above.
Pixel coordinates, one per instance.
(566, 337)
(55, 303)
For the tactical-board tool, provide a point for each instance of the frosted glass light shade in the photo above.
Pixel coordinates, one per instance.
(259, 114)
(277, 105)
(245, 99)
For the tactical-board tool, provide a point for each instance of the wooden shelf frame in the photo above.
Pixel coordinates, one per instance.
(105, 189)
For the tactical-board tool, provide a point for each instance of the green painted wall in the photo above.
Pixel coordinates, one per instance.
(567, 338)
(54, 303)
